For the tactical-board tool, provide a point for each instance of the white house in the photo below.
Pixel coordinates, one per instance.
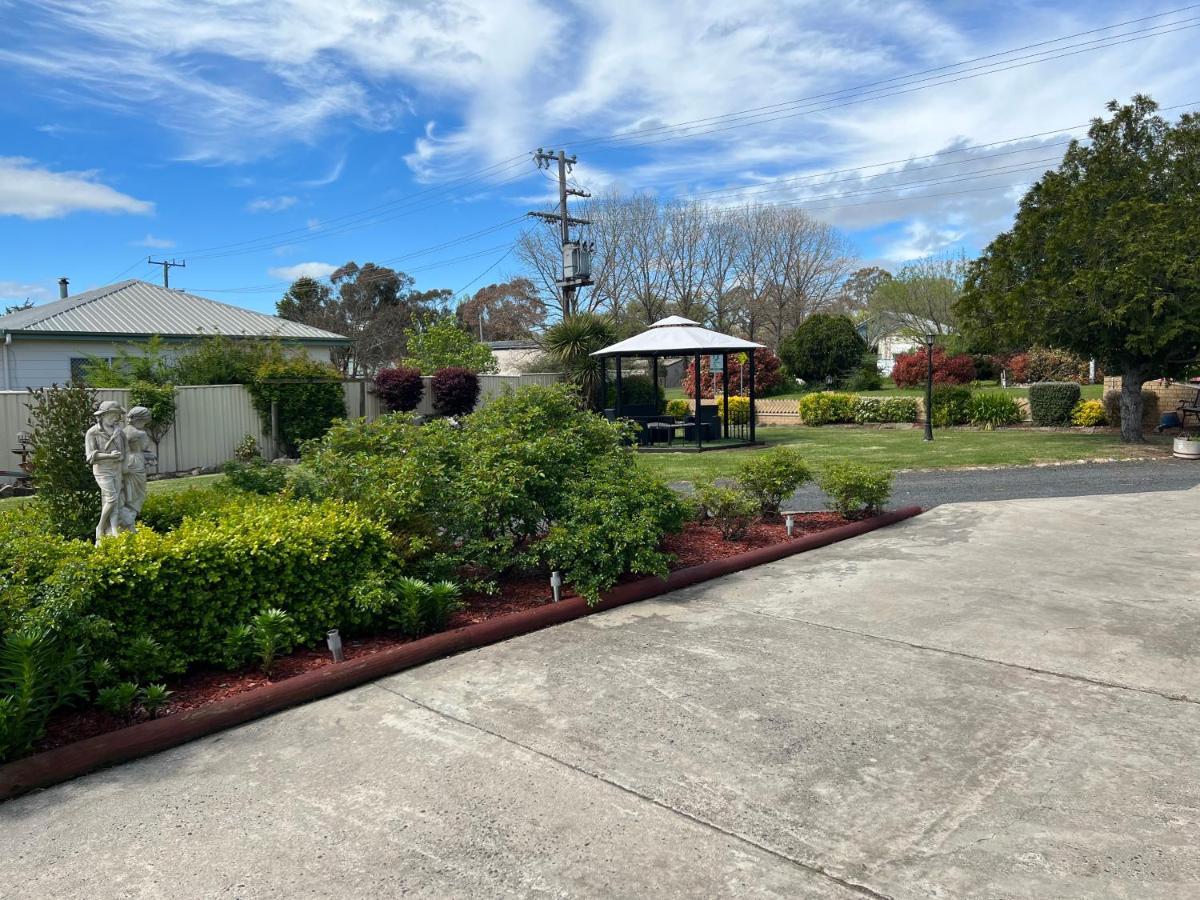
(50, 343)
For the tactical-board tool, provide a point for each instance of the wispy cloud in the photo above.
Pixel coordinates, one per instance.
(271, 204)
(302, 270)
(333, 175)
(34, 192)
(154, 243)
(20, 291)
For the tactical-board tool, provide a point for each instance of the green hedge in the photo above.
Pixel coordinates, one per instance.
(826, 408)
(868, 410)
(30, 552)
(1052, 402)
(188, 587)
(951, 405)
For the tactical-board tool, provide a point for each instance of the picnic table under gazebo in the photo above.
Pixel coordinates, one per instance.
(671, 338)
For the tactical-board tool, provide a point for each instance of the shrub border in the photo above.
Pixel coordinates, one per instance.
(61, 764)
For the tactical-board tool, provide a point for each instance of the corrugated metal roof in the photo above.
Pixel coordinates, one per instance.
(676, 334)
(137, 307)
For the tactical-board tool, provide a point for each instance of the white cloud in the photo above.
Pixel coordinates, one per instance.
(32, 192)
(333, 175)
(301, 270)
(12, 292)
(312, 223)
(271, 204)
(154, 243)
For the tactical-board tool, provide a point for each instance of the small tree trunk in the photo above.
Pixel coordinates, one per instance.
(1132, 379)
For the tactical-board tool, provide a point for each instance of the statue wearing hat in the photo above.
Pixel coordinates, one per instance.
(133, 473)
(104, 447)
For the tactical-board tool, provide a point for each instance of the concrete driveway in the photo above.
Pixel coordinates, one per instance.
(991, 700)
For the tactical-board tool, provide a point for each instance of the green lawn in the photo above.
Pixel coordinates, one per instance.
(903, 448)
(166, 486)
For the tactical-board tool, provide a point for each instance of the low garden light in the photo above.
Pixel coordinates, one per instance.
(334, 641)
(556, 584)
(928, 339)
(790, 524)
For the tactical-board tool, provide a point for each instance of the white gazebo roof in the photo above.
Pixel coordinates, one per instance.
(677, 336)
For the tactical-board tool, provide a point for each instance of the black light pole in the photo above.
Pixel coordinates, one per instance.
(929, 387)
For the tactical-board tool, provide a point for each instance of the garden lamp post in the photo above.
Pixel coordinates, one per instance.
(929, 386)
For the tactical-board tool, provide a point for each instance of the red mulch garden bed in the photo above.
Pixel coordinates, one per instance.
(695, 545)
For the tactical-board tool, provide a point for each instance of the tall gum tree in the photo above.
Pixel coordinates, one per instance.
(1104, 255)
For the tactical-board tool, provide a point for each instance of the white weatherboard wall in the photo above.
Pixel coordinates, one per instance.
(211, 420)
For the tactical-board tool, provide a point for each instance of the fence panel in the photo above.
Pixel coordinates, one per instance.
(211, 420)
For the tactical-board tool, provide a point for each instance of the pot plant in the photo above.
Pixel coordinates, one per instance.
(1187, 446)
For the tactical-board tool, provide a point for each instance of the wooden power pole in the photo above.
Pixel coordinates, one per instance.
(577, 255)
(167, 266)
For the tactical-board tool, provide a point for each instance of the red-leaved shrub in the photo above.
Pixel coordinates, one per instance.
(1018, 368)
(455, 391)
(399, 389)
(910, 368)
(768, 375)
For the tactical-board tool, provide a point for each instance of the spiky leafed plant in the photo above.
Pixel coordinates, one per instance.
(571, 342)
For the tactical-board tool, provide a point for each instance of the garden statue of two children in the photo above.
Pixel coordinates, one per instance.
(118, 457)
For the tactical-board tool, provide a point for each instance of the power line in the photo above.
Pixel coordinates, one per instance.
(808, 100)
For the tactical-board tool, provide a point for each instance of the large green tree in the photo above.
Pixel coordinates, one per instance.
(1104, 256)
(823, 345)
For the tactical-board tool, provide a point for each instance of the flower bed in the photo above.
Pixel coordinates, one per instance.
(697, 544)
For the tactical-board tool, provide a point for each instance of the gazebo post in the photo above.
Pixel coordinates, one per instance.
(725, 392)
(618, 404)
(699, 393)
(602, 400)
(654, 379)
(753, 410)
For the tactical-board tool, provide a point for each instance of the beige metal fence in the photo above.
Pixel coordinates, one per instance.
(211, 420)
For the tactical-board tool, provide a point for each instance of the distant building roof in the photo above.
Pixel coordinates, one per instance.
(135, 308)
(526, 344)
(676, 335)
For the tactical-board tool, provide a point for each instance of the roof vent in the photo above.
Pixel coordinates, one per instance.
(62, 288)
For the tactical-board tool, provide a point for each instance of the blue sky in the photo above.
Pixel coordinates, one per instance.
(260, 140)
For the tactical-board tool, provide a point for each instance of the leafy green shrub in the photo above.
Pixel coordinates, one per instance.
(307, 395)
(255, 477)
(866, 377)
(1150, 408)
(855, 491)
(772, 476)
(612, 522)
(30, 552)
(39, 673)
(679, 408)
(992, 409)
(188, 586)
(636, 390)
(444, 345)
(868, 410)
(409, 605)
(826, 408)
(733, 509)
(165, 510)
(455, 391)
(60, 417)
(1088, 413)
(269, 635)
(247, 449)
(400, 389)
(1051, 402)
(951, 405)
(160, 400)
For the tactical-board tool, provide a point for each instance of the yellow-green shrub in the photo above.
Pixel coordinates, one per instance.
(187, 587)
(678, 407)
(826, 408)
(1088, 413)
(739, 410)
